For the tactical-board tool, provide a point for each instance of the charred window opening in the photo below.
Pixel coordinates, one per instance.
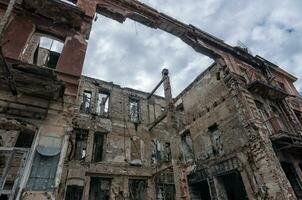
(217, 76)
(134, 110)
(187, 146)
(137, 189)
(264, 116)
(25, 139)
(278, 120)
(4, 197)
(98, 146)
(81, 144)
(160, 153)
(43, 50)
(86, 102)
(99, 188)
(215, 136)
(165, 187)
(231, 186)
(200, 190)
(293, 178)
(102, 108)
(74, 192)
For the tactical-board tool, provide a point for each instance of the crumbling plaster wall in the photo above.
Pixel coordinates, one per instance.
(206, 103)
(124, 140)
(231, 106)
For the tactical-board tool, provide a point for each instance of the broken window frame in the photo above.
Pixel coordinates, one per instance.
(86, 102)
(81, 136)
(215, 136)
(164, 185)
(134, 112)
(22, 136)
(224, 189)
(103, 105)
(264, 116)
(297, 180)
(97, 181)
(187, 149)
(74, 192)
(43, 42)
(98, 146)
(137, 189)
(278, 117)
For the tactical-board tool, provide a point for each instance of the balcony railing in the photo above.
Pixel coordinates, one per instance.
(265, 89)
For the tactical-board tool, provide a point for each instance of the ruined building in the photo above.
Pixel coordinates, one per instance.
(234, 133)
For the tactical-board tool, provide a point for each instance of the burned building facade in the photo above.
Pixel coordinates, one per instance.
(233, 133)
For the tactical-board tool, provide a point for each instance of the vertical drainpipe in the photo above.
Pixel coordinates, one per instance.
(179, 170)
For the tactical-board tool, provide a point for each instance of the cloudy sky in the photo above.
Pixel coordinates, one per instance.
(133, 55)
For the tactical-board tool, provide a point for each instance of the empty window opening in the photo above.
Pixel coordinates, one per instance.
(98, 146)
(43, 50)
(102, 108)
(10, 168)
(293, 178)
(215, 136)
(74, 192)
(99, 188)
(187, 146)
(134, 110)
(165, 187)
(25, 139)
(278, 120)
(231, 186)
(86, 102)
(81, 144)
(200, 190)
(161, 153)
(137, 189)
(264, 116)
(218, 76)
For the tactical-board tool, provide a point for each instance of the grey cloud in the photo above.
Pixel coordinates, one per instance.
(133, 55)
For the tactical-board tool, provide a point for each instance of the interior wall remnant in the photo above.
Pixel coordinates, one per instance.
(81, 144)
(293, 178)
(74, 192)
(99, 188)
(231, 186)
(187, 146)
(136, 151)
(216, 140)
(137, 189)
